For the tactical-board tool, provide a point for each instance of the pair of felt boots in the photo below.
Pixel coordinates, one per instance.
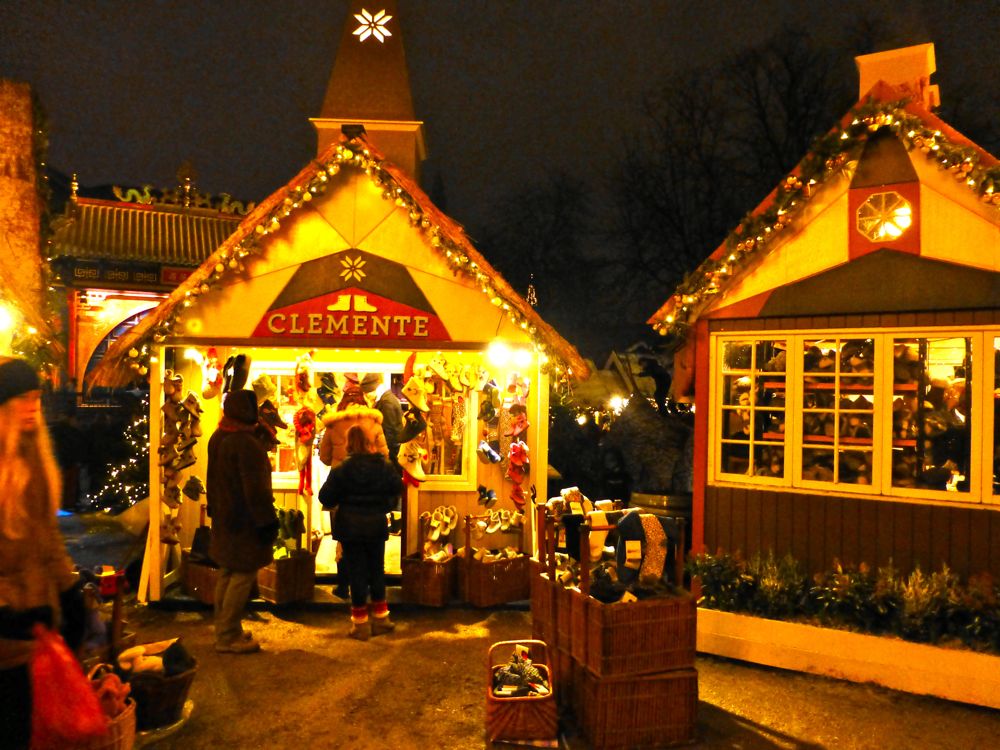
(363, 629)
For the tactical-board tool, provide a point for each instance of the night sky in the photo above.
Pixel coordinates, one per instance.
(508, 89)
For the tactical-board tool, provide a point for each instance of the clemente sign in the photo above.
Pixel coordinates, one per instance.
(347, 324)
(351, 314)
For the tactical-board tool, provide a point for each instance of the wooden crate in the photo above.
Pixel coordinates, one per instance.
(427, 582)
(486, 584)
(531, 717)
(636, 712)
(290, 579)
(634, 638)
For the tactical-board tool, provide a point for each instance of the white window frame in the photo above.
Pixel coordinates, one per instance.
(981, 440)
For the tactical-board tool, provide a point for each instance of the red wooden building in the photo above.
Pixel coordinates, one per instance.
(841, 347)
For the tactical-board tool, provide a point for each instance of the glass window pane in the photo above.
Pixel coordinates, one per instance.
(838, 402)
(752, 408)
(931, 417)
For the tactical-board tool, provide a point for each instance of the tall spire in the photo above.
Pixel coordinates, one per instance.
(370, 86)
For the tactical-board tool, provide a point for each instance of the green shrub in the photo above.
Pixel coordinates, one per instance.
(780, 586)
(920, 607)
(725, 583)
(927, 603)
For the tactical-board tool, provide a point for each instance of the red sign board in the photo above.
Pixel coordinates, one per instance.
(351, 314)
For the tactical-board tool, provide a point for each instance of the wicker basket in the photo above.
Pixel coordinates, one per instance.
(530, 717)
(634, 638)
(290, 579)
(427, 582)
(121, 732)
(564, 671)
(543, 608)
(487, 584)
(160, 699)
(564, 614)
(637, 712)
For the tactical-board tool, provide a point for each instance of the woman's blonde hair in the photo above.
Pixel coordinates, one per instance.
(24, 457)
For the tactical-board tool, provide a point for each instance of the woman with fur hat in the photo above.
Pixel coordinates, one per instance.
(37, 580)
(363, 489)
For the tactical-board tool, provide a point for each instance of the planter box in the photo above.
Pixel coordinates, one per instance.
(952, 674)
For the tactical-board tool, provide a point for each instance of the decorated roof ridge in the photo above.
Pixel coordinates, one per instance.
(884, 106)
(228, 213)
(128, 357)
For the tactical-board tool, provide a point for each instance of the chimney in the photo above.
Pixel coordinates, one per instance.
(908, 68)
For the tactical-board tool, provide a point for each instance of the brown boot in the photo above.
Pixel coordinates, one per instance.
(382, 625)
(359, 631)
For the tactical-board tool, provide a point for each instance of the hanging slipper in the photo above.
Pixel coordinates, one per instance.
(192, 405)
(172, 497)
(177, 387)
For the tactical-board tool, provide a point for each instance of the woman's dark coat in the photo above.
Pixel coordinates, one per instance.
(240, 500)
(363, 489)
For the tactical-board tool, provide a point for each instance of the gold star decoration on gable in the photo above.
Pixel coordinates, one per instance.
(372, 26)
(352, 269)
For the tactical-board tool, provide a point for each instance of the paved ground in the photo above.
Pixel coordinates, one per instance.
(424, 687)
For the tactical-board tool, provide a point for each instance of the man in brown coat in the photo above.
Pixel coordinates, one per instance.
(244, 522)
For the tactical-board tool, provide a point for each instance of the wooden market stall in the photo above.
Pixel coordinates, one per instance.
(841, 347)
(349, 271)
(352, 268)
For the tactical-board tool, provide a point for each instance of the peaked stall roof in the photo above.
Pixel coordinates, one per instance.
(127, 357)
(894, 107)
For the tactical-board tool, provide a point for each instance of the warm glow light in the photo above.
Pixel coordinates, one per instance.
(6, 319)
(884, 216)
(617, 403)
(522, 357)
(193, 355)
(498, 353)
(582, 419)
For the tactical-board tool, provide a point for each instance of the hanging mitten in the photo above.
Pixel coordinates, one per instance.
(211, 374)
(303, 377)
(305, 434)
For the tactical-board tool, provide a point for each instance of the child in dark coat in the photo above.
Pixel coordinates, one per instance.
(363, 489)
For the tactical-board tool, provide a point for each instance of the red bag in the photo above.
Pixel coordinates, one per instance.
(64, 708)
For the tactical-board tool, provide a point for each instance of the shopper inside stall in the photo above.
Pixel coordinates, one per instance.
(244, 521)
(363, 489)
(37, 581)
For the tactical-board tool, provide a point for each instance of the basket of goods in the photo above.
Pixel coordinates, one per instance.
(520, 700)
(160, 676)
(630, 619)
(495, 572)
(429, 577)
(112, 695)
